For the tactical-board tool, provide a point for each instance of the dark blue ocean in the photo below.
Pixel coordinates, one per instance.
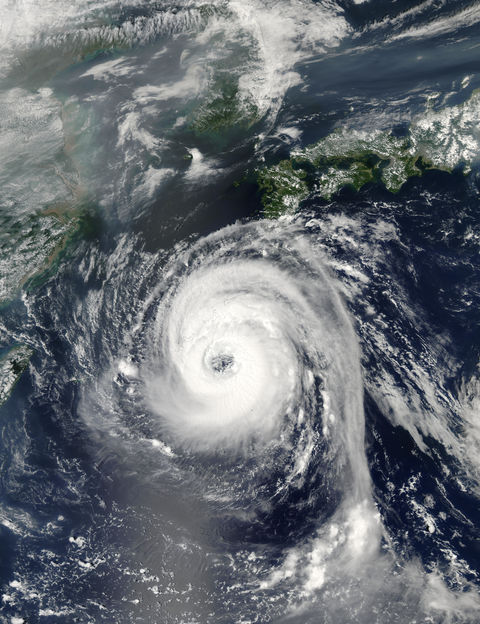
(229, 417)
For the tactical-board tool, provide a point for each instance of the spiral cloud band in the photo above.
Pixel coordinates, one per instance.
(248, 343)
(233, 362)
(238, 384)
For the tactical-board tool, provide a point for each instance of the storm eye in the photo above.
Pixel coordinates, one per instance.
(222, 363)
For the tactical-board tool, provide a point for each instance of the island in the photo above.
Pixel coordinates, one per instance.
(12, 365)
(439, 139)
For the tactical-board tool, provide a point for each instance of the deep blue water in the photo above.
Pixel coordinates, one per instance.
(99, 525)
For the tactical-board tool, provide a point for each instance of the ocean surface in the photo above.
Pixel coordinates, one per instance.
(218, 406)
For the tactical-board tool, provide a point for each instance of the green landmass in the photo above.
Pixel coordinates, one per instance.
(44, 203)
(29, 247)
(12, 365)
(442, 139)
(342, 159)
(283, 186)
(224, 109)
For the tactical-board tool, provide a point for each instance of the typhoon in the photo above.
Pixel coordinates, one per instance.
(246, 341)
(244, 358)
(239, 312)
